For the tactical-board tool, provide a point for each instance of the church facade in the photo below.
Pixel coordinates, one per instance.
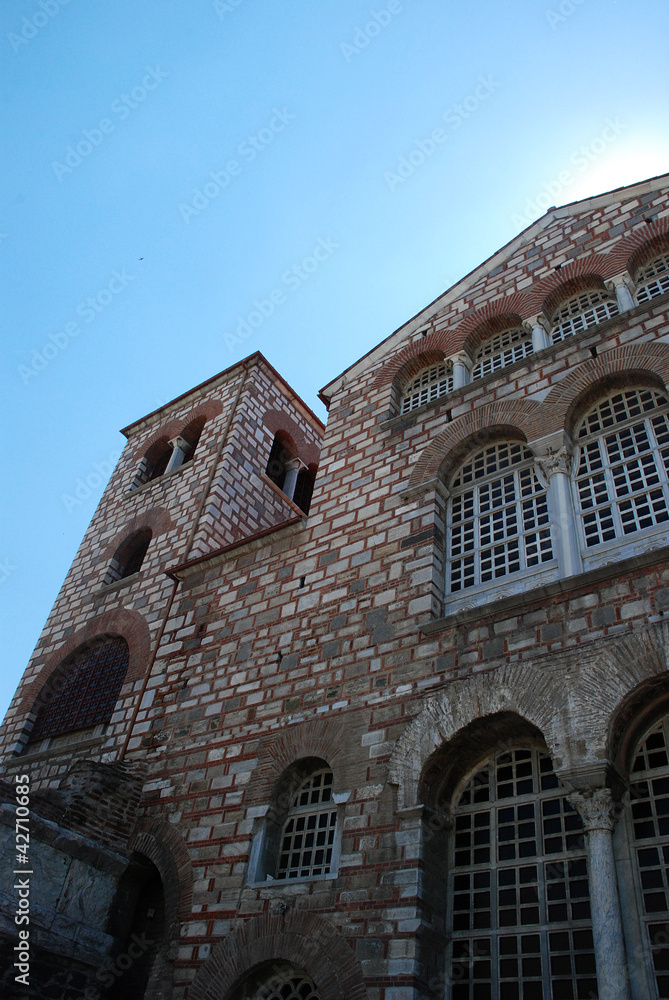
(377, 710)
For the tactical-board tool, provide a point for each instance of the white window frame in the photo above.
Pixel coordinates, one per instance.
(580, 312)
(500, 350)
(432, 382)
(509, 460)
(652, 279)
(592, 461)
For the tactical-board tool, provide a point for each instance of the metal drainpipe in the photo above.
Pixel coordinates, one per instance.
(188, 546)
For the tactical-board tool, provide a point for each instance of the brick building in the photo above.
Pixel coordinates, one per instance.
(404, 738)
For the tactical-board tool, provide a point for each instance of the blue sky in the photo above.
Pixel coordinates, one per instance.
(410, 139)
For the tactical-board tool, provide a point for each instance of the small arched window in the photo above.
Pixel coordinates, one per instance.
(84, 690)
(498, 522)
(129, 557)
(582, 311)
(621, 481)
(519, 901)
(308, 833)
(501, 350)
(431, 383)
(280, 981)
(154, 463)
(652, 279)
(282, 451)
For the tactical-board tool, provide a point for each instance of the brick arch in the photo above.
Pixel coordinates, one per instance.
(570, 287)
(621, 363)
(594, 265)
(517, 303)
(121, 622)
(155, 518)
(632, 250)
(488, 328)
(176, 425)
(307, 940)
(276, 420)
(536, 696)
(162, 844)
(409, 361)
(524, 418)
(319, 738)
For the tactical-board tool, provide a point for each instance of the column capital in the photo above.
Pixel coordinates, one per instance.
(179, 442)
(596, 807)
(555, 461)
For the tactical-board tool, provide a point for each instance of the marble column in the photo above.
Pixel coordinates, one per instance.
(540, 338)
(293, 467)
(596, 809)
(556, 467)
(624, 296)
(461, 371)
(180, 451)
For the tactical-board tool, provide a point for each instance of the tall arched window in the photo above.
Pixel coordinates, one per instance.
(84, 689)
(621, 482)
(519, 907)
(192, 434)
(431, 383)
(498, 521)
(154, 463)
(582, 311)
(280, 981)
(129, 557)
(501, 350)
(652, 279)
(282, 451)
(649, 805)
(308, 833)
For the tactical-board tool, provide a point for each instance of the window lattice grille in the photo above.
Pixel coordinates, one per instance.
(309, 831)
(432, 383)
(581, 312)
(649, 794)
(501, 350)
(498, 517)
(521, 923)
(288, 984)
(88, 691)
(622, 470)
(653, 279)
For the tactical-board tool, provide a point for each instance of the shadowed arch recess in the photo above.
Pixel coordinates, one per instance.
(303, 939)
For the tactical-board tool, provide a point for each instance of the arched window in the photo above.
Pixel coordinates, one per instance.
(519, 906)
(621, 484)
(498, 521)
(282, 451)
(192, 434)
(154, 463)
(649, 806)
(652, 279)
(129, 557)
(280, 981)
(582, 311)
(501, 350)
(431, 383)
(304, 487)
(308, 833)
(84, 689)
